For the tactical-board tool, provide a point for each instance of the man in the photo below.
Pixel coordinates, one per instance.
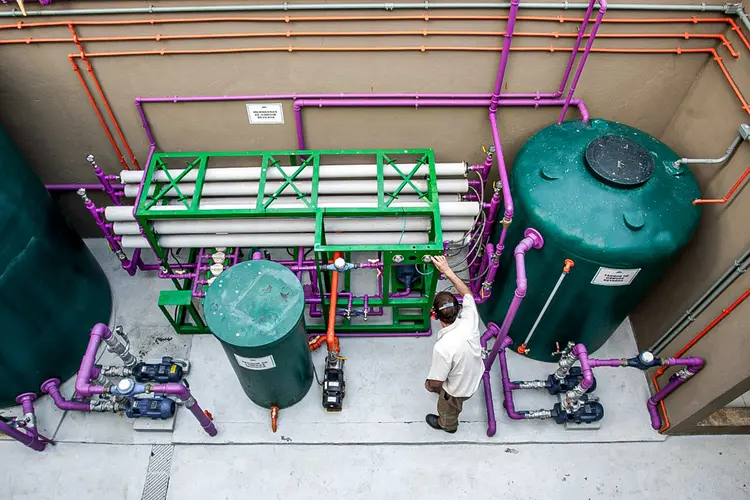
(457, 365)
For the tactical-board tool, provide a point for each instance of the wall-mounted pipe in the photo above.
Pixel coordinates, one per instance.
(742, 134)
(729, 194)
(738, 267)
(654, 380)
(586, 52)
(427, 5)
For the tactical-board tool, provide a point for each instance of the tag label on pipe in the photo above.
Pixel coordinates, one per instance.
(264, 363)
(265, 114)
(606, 276)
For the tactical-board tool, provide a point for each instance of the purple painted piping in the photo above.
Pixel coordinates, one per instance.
(126, 263)
(587, 374)
(378, 335)
(696, 365)
(184, 394)
(83, 379)
(510, 407)
(74, 187)
(403, 293)
(613, 363)
(586, 51)
(576, 46)
(532, 239)
(52, 387)
(31, 438)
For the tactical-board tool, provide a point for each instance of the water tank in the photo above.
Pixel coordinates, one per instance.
(52, 290)
(255, 309)
(607, 197)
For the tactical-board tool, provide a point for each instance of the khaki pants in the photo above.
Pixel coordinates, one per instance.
(449, 408)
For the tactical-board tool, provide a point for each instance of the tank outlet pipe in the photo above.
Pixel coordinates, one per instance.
(731, 275)
(694, 365)
(99, 333)
(24, 429)
(52, 387)
(183, 393)
(106, 185)
(532, 240)
(584, 57)
(743, 133)
(569, 264)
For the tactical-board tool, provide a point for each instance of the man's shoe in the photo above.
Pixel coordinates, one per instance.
(432, 421)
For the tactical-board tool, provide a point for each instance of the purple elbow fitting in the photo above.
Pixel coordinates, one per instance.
(52, 387)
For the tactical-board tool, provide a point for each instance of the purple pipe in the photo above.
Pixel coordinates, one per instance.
(510, 407)
(74, 187)
(52, 387)
(586, 51)
(126, 263)
(183, 393)
(83, 379)
(30, 438)
(378, 335)
(104, 181)
(696, 365)
(587, 374)
(532, 239)
(403, 293)
(576, 46)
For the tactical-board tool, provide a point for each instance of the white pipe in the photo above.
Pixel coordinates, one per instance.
(324, 187)
(448, 209)
(324, 172)
(266, 225)
(283, 240)
(323, 201)
(426, 5)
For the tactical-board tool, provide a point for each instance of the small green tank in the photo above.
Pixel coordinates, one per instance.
(255, 309)
(52, 290)
(607, 197)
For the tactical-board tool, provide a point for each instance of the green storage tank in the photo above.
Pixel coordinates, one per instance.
(52, 290)
(606, 196)
(255, 309)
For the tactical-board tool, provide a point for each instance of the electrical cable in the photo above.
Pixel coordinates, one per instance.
(416, 266)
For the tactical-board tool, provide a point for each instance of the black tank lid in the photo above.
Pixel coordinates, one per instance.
(619, 161)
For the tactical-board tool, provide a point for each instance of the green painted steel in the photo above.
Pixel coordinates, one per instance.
(410, 314)
(52, 290)
(598, 224)
(255, 310)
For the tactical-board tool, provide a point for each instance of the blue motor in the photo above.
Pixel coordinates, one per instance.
(157, 408)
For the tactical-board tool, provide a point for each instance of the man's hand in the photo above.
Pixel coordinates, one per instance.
(441, 263)
(433, 385)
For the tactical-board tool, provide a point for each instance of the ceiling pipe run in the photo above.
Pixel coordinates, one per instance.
(727, 8)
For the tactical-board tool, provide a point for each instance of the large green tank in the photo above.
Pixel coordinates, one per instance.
(52, 290)
(255, 310)
(607, 197)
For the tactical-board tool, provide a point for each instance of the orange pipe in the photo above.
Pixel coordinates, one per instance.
(330, 336)
(423, 48)
(724, 313)
(729, 194)
(99, 89)
(292, 34)
(98, 113)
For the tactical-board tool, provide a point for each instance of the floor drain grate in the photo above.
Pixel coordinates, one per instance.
(157, 475)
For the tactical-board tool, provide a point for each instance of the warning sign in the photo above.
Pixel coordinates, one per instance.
(265, 114)
(606, 276)
(264, 363)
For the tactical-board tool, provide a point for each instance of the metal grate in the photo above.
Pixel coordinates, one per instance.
(157, 475)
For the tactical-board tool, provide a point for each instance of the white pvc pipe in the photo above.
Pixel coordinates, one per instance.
(283, 240)
(369, 186)
(449, 209)
(323, 201)
(267, 225)
(324, 172)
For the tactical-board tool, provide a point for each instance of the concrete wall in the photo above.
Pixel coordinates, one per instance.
(47, 113)
(704, 125)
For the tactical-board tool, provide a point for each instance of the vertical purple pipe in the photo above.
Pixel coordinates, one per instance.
(586, 51)
(145, 123)
(510, 407)
(113, 244)
(587, 374)
(694, 366)
(104, 181)
(576, 46)
(532, 239)
(299, 126)
(197, 280)
(83, 386)
(183, 393)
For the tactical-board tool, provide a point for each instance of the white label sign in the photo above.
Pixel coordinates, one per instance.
(606, 276)
(264, 363)
(265, 114)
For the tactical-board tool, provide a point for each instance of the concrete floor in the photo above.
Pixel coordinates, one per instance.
(377, 446)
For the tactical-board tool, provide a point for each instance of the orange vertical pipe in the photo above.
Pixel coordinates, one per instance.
(98, 113)
(726, 197)
(99, 89)
(331, 339)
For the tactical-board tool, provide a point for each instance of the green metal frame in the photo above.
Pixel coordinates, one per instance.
(155, 194)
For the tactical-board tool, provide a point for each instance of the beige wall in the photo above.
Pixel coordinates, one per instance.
(704, 126)
(683, 99)
(47, 113)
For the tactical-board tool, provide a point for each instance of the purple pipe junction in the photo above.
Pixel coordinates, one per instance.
(94, 392)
